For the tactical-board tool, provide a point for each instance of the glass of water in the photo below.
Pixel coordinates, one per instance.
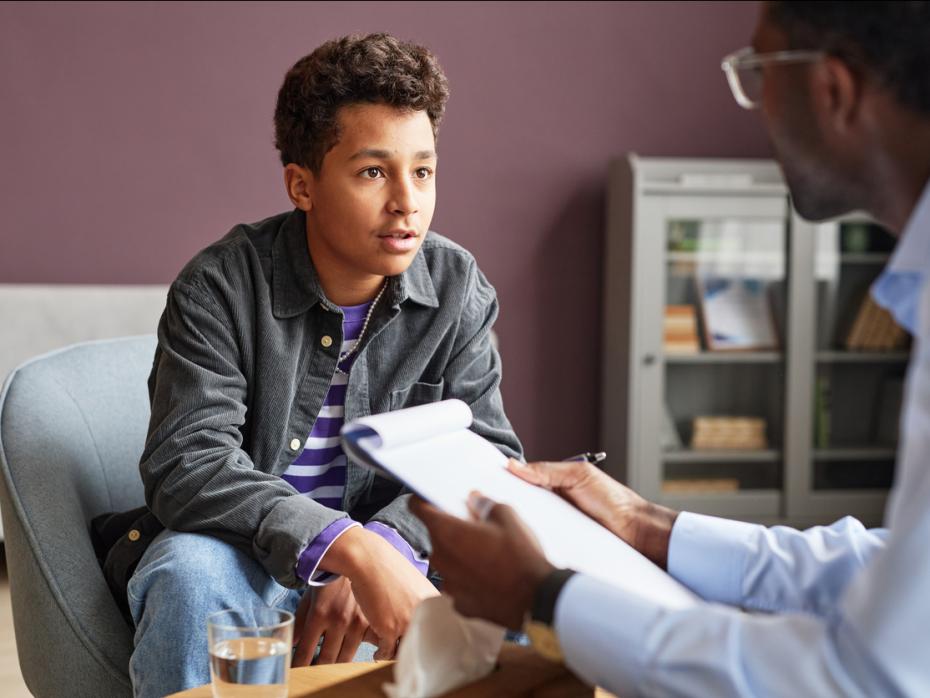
(250, 652)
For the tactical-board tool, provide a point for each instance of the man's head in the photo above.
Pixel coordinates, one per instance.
(356, 124)
(833, 119)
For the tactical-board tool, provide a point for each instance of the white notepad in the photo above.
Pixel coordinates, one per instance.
(431, 450)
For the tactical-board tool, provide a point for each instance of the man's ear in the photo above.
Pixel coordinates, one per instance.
(299, 184)
(837, 92)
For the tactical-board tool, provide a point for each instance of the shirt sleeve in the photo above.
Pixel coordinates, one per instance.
(770, 569)
(402, 546)
(635, 647)
(309, 561)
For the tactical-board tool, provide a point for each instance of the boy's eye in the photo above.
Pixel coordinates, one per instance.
(371, 172)
(423, 172)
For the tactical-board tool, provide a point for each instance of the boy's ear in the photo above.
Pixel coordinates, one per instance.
(299, 184)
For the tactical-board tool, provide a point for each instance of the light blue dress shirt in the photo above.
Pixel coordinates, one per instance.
(846, 610)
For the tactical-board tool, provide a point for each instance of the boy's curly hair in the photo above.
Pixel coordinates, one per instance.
(374, 69)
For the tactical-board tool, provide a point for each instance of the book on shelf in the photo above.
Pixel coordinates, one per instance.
(680, 332)
(700, 485)
(728, 433)
(736, 314)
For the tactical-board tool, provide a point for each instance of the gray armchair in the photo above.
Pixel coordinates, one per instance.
(72, 428)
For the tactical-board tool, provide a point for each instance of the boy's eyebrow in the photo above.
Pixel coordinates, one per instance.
(386, 155)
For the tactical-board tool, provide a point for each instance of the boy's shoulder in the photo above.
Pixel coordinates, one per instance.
(240, 248)
(438, 250)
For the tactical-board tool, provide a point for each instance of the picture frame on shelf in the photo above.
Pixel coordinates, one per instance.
(736, 314)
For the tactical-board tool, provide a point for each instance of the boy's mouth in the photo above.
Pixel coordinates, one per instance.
(398, 241)
(398, 234)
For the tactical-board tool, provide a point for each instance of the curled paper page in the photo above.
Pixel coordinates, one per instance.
(442, 650)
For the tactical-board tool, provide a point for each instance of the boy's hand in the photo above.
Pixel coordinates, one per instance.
(637, 521)
(332, 613)
(385, 585)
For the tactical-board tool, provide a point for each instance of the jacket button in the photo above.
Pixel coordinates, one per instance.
(295, 444)
(326, 341)
(134, 535)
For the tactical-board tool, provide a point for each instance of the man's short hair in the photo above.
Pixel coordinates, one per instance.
(373, 69)
(889, 41)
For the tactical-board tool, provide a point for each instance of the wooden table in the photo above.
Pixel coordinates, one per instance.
(520, 672)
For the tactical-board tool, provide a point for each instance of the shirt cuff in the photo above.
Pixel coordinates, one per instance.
(601, 631)
(309, 559)
(708, 555)
(402, 546)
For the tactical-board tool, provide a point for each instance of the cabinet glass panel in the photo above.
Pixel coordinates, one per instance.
(723, 335)
(861, 357)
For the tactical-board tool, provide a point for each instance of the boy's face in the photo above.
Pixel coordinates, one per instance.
(371, 204)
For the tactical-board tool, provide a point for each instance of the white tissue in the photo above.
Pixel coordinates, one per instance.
(442, 650)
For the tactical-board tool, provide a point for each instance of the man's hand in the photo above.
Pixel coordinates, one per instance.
(332, 613)
(637, 521)
(385, 585)
(491, 566)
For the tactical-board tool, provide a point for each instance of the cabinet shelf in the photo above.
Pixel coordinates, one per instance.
(854, 454)
(864, 257)
(744, 504)
(726, 357)
(721, 456)
(863, 357)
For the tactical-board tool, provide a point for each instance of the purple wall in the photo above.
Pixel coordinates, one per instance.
(133, 134)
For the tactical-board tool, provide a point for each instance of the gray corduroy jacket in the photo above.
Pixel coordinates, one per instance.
(241, 371)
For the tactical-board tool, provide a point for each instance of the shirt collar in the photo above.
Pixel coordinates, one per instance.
(912, 253)
(899, 286)
(296, 287)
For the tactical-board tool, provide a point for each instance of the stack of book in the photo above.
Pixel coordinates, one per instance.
(680, 331)
(726, 433)
(874, 329)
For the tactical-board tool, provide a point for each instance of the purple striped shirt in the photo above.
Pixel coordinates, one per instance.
(319, 472)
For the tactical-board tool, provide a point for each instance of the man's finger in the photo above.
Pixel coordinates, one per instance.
(480, 506)
(551, 476)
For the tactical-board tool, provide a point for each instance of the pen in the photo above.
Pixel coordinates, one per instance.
(593, 458)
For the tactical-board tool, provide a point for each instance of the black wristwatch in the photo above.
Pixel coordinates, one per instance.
(541, 616)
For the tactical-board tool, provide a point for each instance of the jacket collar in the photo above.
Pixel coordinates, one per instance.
(296, 287)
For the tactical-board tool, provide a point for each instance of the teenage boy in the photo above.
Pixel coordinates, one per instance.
(276, 334)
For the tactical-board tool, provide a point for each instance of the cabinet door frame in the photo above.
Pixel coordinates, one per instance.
(648, 297)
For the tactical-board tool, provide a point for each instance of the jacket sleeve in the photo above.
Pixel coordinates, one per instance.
(196, 474)
(473, 375)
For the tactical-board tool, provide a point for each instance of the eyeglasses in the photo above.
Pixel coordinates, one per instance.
(743, 69)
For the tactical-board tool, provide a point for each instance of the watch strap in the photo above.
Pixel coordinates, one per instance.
(547, 594)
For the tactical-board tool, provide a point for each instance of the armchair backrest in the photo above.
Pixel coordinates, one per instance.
(72, 428)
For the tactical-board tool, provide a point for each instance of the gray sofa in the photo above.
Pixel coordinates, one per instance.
(72, 428)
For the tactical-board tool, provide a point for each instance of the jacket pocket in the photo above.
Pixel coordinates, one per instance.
(417, 394)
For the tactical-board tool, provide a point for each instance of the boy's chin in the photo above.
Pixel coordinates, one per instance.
(394, 264)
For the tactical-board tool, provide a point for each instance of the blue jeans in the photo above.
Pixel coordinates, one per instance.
(180, 580)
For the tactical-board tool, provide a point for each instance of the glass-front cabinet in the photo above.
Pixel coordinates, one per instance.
(746, 372)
